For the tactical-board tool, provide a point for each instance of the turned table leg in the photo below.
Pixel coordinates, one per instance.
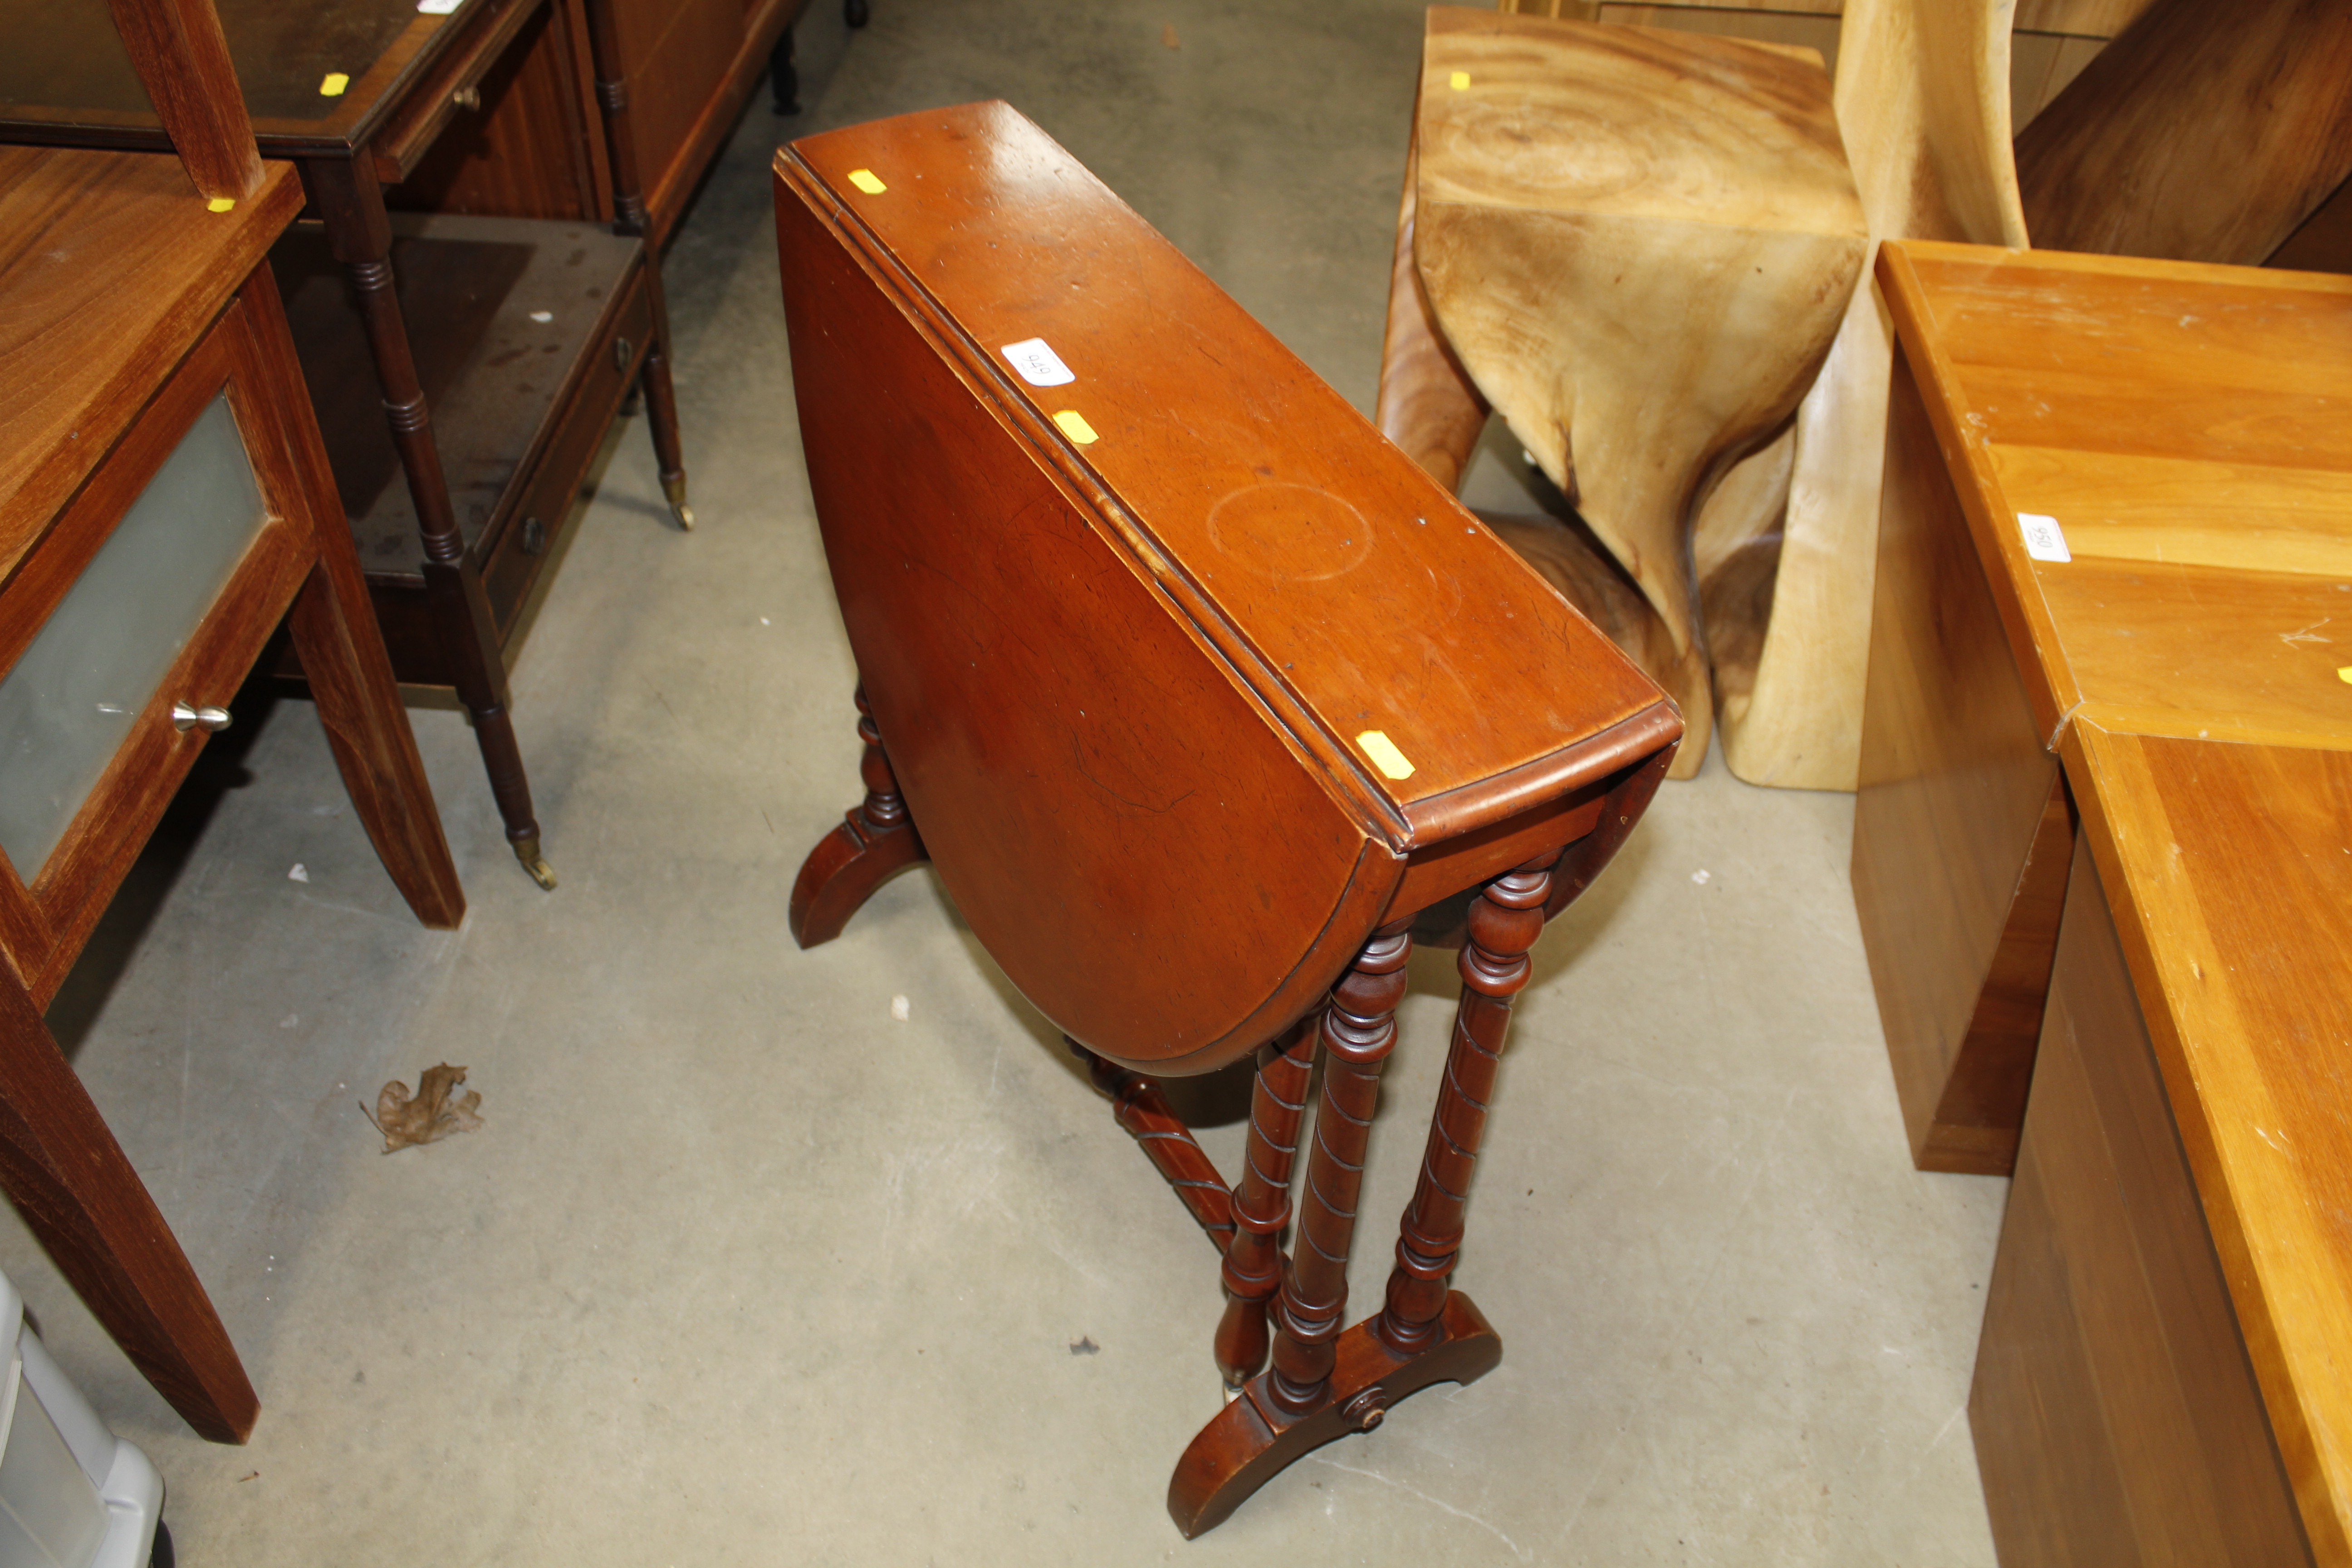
(629, 217)
(1324, 1382)
(1358, 1032)
(1261, 1209)
(1504, 921)
(875, 842)
(359, 231)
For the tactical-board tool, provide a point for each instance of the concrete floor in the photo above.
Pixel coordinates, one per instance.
(743, 1270)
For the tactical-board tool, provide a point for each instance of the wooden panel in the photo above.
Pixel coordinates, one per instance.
(2204, 132)
(2115, 1415)
(673, 74)
(1275, 527)
(986, 719)
(497, 380)
(525, 152)
(1957, 856)
(1789, 25)
(2236, 861)
(577, 427)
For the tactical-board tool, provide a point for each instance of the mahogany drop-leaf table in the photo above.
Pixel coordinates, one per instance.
(1203, 701)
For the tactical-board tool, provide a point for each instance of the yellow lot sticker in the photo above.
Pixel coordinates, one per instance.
(334, 84)
(1073, 425)
(2345, 675)
(221, 204)
(866, 180)
(1384, 755)
(1459, 81)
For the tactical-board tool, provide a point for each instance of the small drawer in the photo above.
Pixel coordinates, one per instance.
(528, 535)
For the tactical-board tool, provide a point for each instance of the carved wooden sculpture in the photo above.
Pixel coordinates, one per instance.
(1205, 701)
(1923, 105)
(1636, 245)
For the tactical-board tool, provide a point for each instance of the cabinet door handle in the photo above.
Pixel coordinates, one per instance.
(213, 720)
(469, 99)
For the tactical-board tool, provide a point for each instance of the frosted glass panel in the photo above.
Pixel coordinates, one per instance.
(70, 702)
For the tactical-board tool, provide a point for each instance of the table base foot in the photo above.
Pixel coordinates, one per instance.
(527, 851)
(842, 873)
(1253, 1439)
(674, 491)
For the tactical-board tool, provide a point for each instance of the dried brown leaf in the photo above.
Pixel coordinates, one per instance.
(1168, 35)
(431, 1115)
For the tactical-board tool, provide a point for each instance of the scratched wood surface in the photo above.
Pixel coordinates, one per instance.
(2229, 872)
(2191, 662)
(1130, 631)
(2185, 426)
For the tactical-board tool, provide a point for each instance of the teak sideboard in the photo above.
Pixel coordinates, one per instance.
(2103, 857)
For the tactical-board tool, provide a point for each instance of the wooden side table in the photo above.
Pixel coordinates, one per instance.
(1205, 703)
(164, 501)
(523, 333)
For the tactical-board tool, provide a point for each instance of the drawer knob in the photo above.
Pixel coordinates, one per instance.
(534, 536)
(469, 99)
(623, 351)
(212, 720)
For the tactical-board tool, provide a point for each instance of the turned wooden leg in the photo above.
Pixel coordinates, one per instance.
(1260, 1206)
(1324, 1383)
(1504, 921)
(1359, 1030)
(629, 217)
(68, 1178)
(661, 407)
(1144, 1112)
(874, 843)
(360, 234)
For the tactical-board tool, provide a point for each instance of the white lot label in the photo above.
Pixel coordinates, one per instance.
(1038, 366)
(2043, 541)
(436, 8)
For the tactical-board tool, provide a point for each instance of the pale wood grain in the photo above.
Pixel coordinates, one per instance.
(1638, 244)
(1922, 99)
(2114, 1415)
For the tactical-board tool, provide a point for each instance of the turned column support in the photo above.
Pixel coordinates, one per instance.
(873, 841)
(1358, 1031)
(1505, 918)
(1261, 1210)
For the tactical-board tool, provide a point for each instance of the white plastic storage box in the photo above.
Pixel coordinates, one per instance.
(72, 1494)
